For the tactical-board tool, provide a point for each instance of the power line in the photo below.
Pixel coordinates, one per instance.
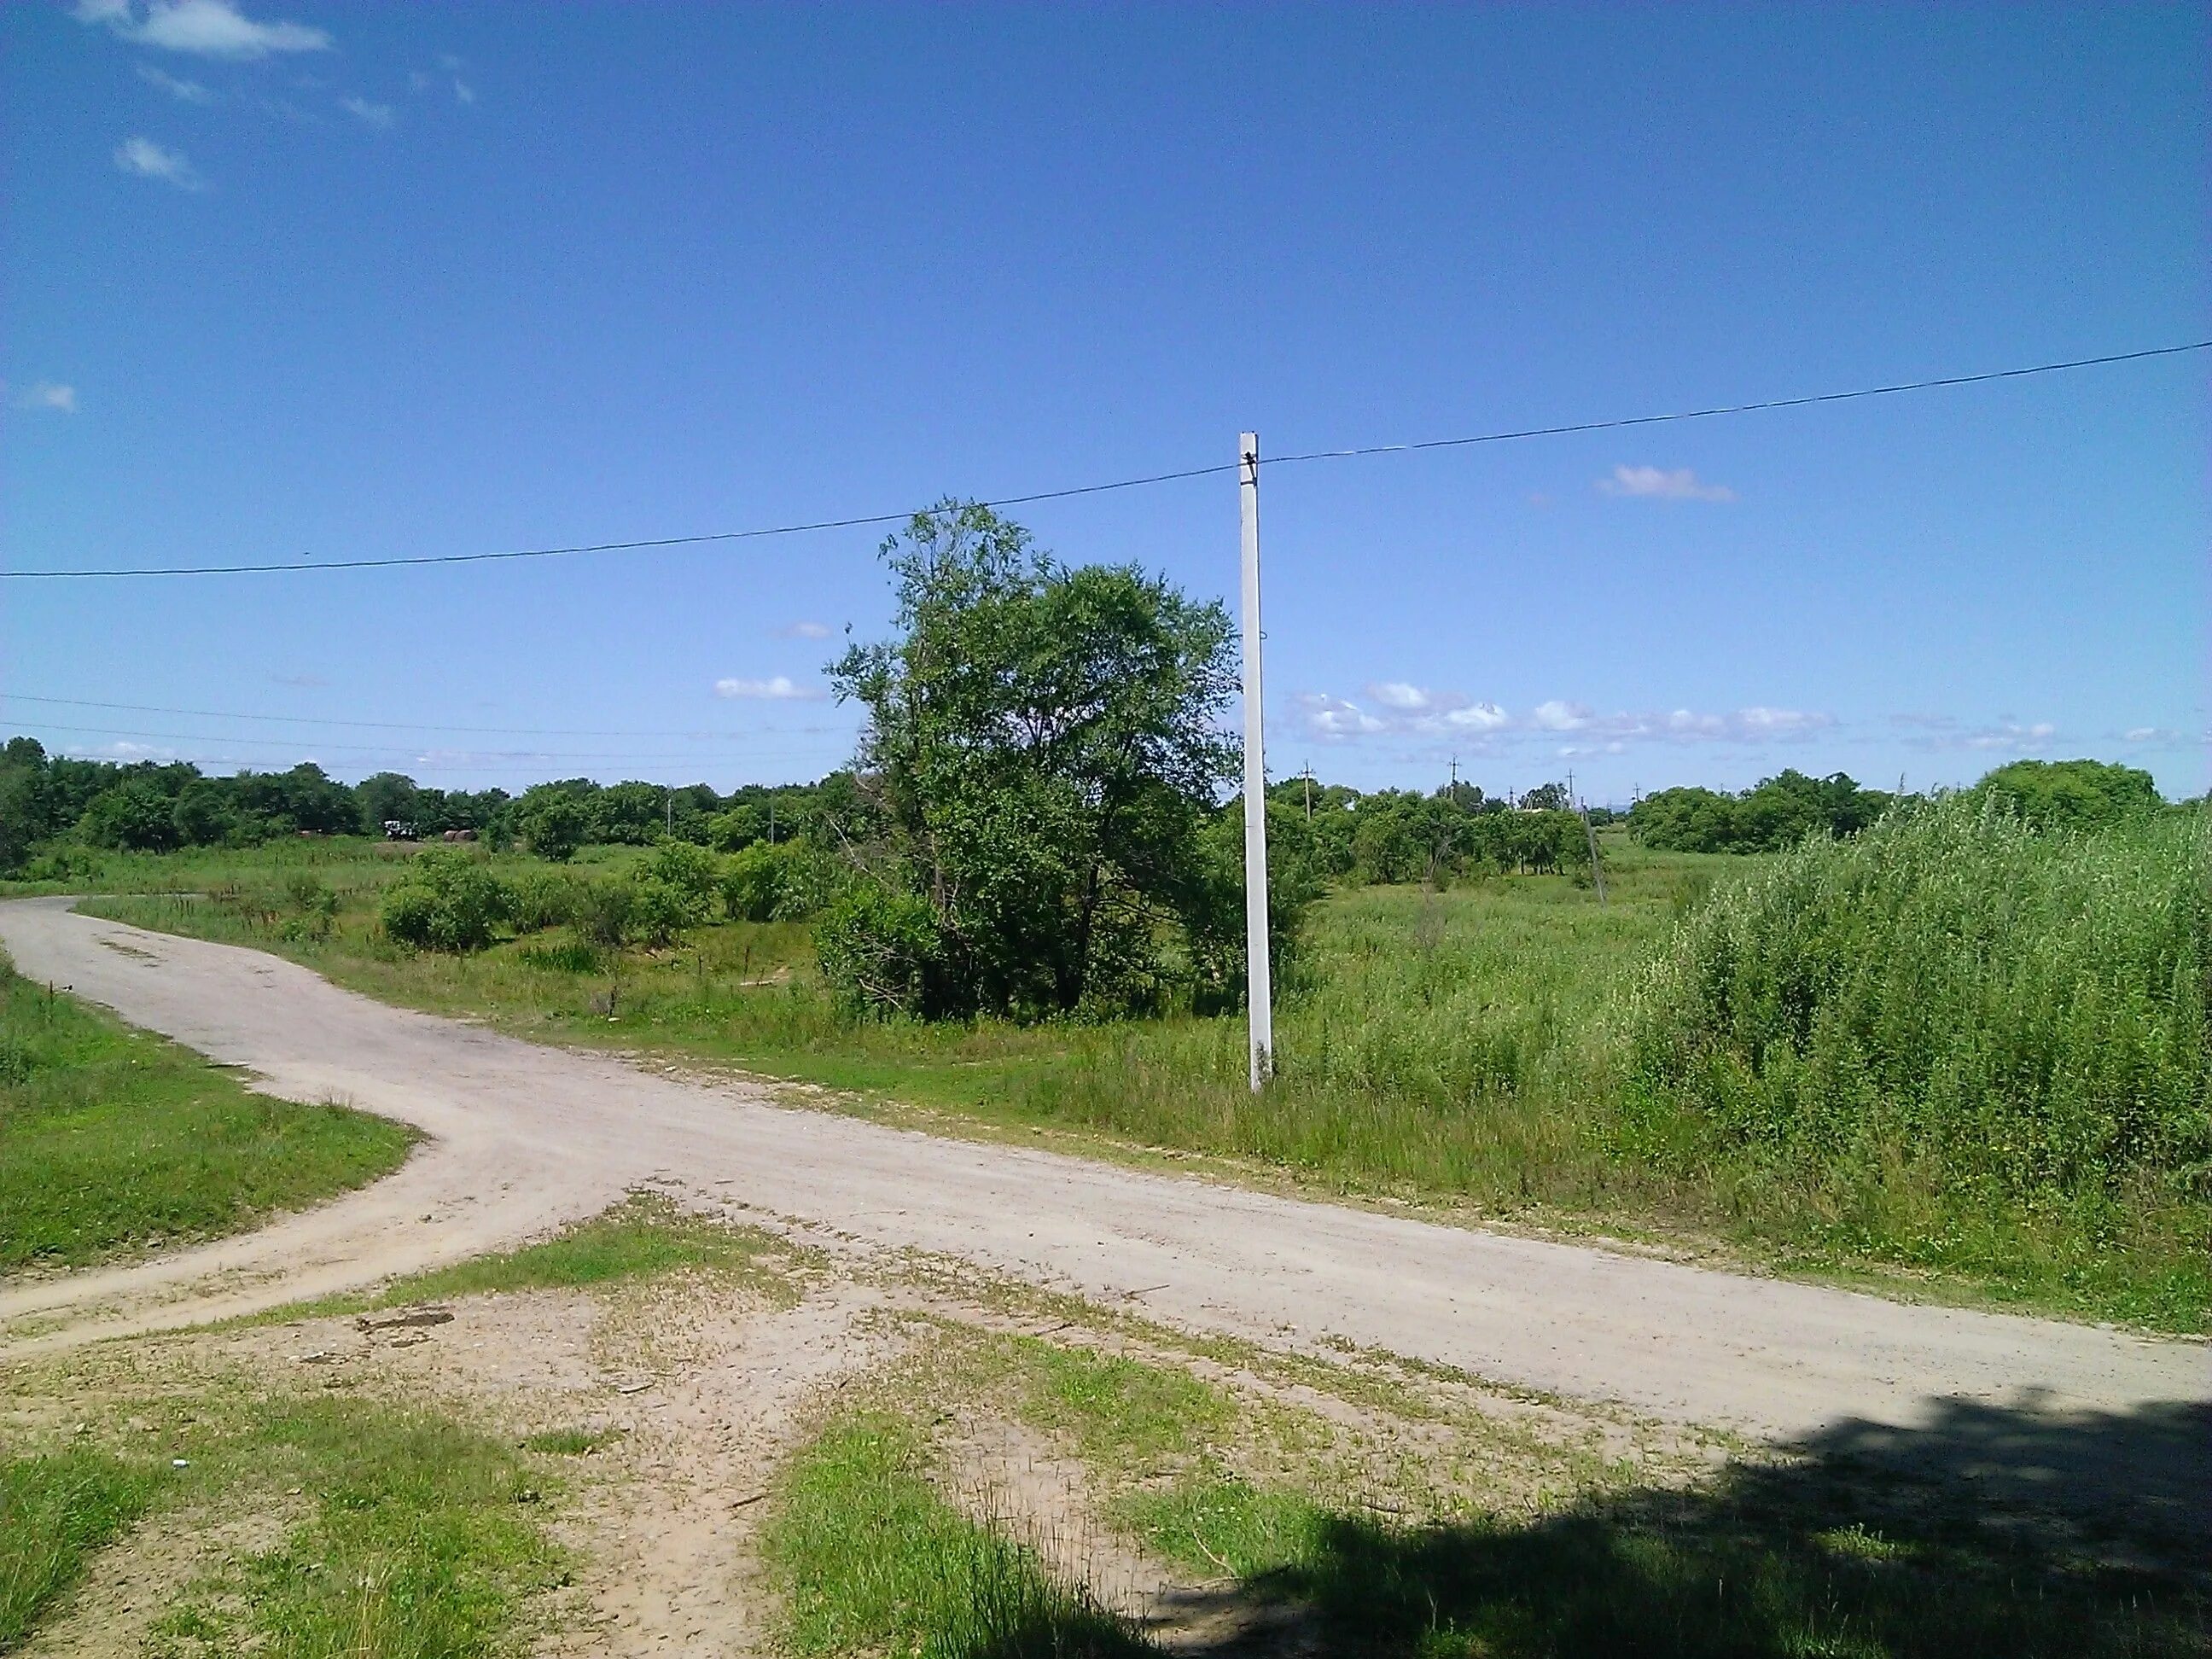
(389, 726)
(871, 519)
(1743, 409)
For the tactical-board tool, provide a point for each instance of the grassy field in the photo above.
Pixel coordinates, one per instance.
(111, 1140)
(1489, 1048)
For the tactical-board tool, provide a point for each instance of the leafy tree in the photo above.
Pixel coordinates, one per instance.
(2071, 793)
(204, 814)
(387, 796)
(553, 821)
(1043, 752)
(134, 816)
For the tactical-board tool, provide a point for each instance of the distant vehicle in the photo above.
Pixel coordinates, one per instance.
(398, 830)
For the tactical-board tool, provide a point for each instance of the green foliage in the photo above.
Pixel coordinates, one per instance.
(677, 887)
(2072, 793)
(881, 950)
(1956, 1001)
(133, 816)
(110, 1139)
(1043, 750)
(873, 1560)
(784, 881)
(540, 898)
(606, 908)
(55, 1511)
(450, 901)
(1781, 812)
(552, 821)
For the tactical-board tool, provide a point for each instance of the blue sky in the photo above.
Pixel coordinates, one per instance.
(297, 280)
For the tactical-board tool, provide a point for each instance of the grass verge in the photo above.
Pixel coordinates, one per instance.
(112, 1139)
(871, 1560)
(55, 1511)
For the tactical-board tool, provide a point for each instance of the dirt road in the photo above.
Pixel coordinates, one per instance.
(526, 1137)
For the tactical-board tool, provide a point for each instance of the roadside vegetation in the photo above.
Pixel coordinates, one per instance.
(1962, 1039)
(111, 1140)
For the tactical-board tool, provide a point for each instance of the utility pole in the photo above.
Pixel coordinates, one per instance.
(1452, 795)
(1597, 870)
(1308, 792)
(668, 803)
(1258, 979)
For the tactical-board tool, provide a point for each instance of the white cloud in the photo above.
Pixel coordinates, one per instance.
(1478, 717)
(374, 115)
(1399, 709)
(206, 28)
(803, 630)
(185, 92)
(463, 93)
(1946, 731)
(1657, 483)
(1332, 718)
(779, 689)
(48, 394)
(1557, 716)
(149, 160)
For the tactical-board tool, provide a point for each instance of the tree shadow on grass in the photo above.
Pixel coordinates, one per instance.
(1988, 1530)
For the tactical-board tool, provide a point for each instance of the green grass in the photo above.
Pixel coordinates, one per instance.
(1476, 1049)
(422, 1540)
(637, 1239)
(405, 1535)
(55, 1511)
(871, 1560)
(110, 1139)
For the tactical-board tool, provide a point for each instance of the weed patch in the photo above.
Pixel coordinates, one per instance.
(55, 1511)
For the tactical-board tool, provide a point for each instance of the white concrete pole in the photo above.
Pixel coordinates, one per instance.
(1259, 979)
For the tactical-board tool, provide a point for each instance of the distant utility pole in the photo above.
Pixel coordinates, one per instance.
(1259, 981)
(1597, 870)
(1308, 792)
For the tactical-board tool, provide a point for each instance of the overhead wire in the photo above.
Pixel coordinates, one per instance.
(871, 519)
(388, 726)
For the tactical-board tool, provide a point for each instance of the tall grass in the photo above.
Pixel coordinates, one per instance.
(1953, 1027)
(55, 1511)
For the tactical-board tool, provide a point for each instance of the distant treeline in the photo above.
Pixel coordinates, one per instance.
(1780, 812)
(149, 806)
(1337, 834)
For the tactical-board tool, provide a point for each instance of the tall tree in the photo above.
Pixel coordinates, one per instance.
(1043, 750)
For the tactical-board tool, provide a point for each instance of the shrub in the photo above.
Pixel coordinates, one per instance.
(883, 952)
(553, 821)
(688, 869)
(660, 911)
(604, 906)
(785, 881)
(1957, 997)
(542, 899)
(451, 900)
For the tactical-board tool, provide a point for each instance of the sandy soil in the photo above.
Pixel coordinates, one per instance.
(526, 1138)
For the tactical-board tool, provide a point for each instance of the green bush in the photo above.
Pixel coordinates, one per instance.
(451, 900)
(1958, 1000)
(785, 881)
(604, 906)
(542, 899)
(883, 952)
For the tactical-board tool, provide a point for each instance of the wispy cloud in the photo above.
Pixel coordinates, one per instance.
(1658, 483)
(183, 91)
(205, 28)
(803, 630)
(47, 394)
(1938, 732)
(147, 159)
(777, 688)
(1400, 709)
(379, 116)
